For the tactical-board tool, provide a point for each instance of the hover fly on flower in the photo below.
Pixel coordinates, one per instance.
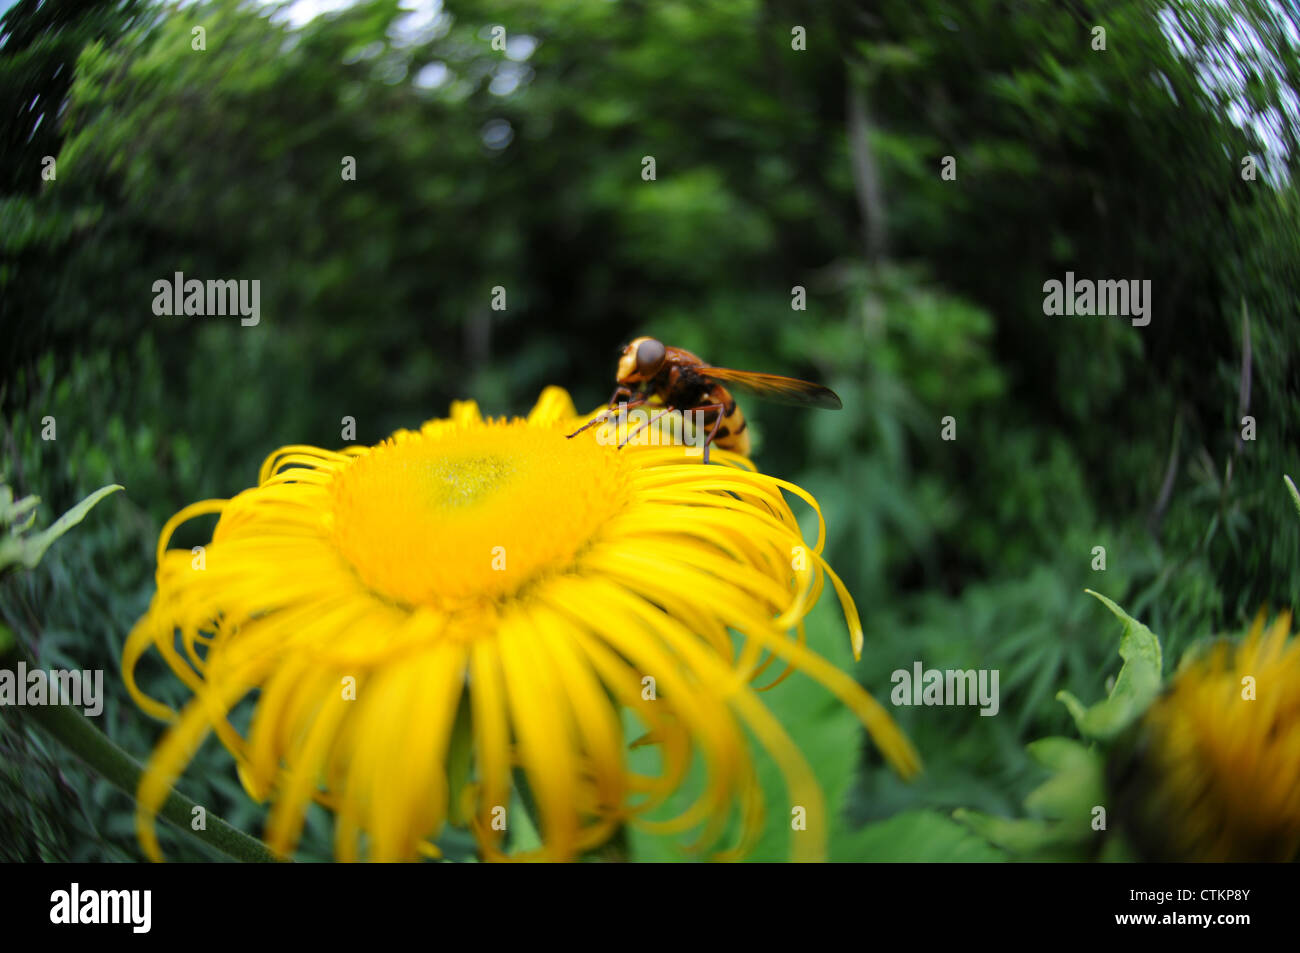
(678, 380)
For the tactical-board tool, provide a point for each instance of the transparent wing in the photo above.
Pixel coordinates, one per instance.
(775, 388)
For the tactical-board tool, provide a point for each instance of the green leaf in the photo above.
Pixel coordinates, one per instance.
(915, 837)
(523, 832)
(460, 751)
(38, 544)
(1135, 687)
(1064, 803)
(1076, 784)
(27, 552)
(1026, 836)
(11, 512)
(1295, 494)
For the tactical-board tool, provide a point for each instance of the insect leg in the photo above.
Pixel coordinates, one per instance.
(620, 393)
(666, 410)
(716, 424)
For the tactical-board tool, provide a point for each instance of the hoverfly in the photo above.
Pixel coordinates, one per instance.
(681, 381)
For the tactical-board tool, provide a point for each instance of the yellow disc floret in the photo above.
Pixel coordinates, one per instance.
(448, 517)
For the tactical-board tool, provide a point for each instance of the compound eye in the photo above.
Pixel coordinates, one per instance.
(649, 355)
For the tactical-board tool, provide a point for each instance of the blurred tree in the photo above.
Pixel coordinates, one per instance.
(39, 47)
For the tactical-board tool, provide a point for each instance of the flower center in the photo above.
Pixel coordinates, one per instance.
(455, 515)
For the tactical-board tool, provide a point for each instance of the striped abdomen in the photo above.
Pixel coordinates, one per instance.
(732, 432)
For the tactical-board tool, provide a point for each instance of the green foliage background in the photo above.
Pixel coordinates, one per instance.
(775, 167)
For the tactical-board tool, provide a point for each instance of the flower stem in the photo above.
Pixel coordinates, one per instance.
(75, 732)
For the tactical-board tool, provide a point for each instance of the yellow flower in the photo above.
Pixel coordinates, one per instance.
(1219, 774)
(416, 620)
